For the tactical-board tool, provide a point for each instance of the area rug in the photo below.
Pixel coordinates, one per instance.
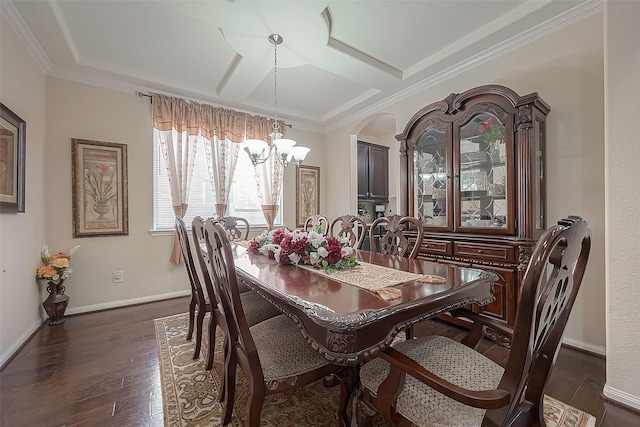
(190, 393)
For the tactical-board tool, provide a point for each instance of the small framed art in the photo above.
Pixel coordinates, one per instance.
(99, 174)
(307, 193)
(12, 161)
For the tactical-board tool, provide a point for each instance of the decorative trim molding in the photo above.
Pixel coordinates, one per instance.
(621, 397)
(25, 35)
(124, 303)
(17, 345)
(581, 345)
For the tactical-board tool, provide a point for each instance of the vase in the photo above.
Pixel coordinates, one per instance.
(101, 209)
(56, 303)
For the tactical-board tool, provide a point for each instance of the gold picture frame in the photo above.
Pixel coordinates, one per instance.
(100, 201)
(307, 193)
(12, 161)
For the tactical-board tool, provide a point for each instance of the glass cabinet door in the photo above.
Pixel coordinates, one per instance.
(482, 173)
(431, 171)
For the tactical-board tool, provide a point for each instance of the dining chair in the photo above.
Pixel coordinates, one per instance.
(234, 232)
(274, 355)
(317, 223)
(351, 226)
(198, 305)
(257, 309)
(436, 381)
(394, 240)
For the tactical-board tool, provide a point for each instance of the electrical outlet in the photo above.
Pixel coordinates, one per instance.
(118, 275)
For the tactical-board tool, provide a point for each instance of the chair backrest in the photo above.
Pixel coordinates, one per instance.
(549, 288)
(226, 283)
(185, 247)
(317, 223)
(197, 231)
(230, 224)
(351, 226)
(394, 240)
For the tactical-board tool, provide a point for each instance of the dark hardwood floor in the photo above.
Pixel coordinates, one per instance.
(101, 369)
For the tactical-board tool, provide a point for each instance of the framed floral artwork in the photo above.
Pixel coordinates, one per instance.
(100, 203)
(12, 161)
(307, 193)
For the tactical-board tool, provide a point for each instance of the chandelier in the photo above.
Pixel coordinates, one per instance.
(285, 148)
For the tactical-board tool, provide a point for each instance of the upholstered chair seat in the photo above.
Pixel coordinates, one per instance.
(283, 351)
(450, 360)
(256, 308)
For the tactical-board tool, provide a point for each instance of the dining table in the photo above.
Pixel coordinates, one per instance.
(351, 315)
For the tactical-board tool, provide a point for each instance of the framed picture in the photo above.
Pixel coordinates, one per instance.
(307, 193)
(100, 204)
(12, 160)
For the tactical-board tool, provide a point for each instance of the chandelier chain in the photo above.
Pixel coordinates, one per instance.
(276, 125)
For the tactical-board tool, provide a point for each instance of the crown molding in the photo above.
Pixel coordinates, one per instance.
(25, 35)
(577, 13)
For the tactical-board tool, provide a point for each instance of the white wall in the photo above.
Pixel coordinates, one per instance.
(79, 111)
(566, 69)
(22, 234)
(622, 92)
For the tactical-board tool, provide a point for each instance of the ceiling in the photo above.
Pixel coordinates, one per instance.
(340, 60)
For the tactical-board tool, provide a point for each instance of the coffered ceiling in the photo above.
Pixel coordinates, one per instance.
(339, 61)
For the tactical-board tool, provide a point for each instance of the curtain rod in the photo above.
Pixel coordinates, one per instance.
(143, 95)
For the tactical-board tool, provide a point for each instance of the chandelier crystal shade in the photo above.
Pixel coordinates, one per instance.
(286, 149)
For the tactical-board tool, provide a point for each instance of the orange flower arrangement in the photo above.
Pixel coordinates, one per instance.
(54, 268)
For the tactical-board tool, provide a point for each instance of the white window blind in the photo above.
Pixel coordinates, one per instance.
(243, 199)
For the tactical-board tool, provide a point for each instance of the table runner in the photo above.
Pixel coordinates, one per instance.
(375, 278)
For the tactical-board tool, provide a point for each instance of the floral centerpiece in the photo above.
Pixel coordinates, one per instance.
(54, 268)
(305, 247)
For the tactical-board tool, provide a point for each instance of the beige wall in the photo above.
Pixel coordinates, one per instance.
(566, 69)
(21, 235)
(79, 111)
(622, 89)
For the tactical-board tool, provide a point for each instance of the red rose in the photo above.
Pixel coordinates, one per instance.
(334, 255)
(254, 247)
(278, 235)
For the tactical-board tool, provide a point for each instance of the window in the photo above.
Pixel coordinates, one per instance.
(243, 198)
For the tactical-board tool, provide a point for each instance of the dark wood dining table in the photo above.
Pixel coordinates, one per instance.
(348, 324)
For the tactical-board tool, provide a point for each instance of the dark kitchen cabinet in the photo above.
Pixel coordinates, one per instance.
(373, 172)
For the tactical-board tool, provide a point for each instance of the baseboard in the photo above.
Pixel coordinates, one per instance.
(124, 303)
(6, 357)
(581, 345)
(621, 397)
(22, 340)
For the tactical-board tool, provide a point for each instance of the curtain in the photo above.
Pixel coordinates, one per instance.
(179, 124)
(268, 174)
(175, 126)
(222, 150)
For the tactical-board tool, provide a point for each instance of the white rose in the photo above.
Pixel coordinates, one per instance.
(322, 251)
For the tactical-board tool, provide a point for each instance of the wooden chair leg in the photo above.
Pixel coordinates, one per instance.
(254, 407)
(192, 315)
(212, 341)
(229, 387)
(199, 322)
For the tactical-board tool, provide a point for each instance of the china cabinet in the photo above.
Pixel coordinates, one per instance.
(373, 172)
(473, 166)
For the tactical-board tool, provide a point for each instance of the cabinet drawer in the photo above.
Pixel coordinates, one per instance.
(489, 252)
(441, 247)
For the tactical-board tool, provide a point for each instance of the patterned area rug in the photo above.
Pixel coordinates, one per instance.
(190, 393)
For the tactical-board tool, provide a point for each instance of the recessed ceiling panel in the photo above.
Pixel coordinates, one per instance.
(399, 32)
(307, 90)
(132, 37)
